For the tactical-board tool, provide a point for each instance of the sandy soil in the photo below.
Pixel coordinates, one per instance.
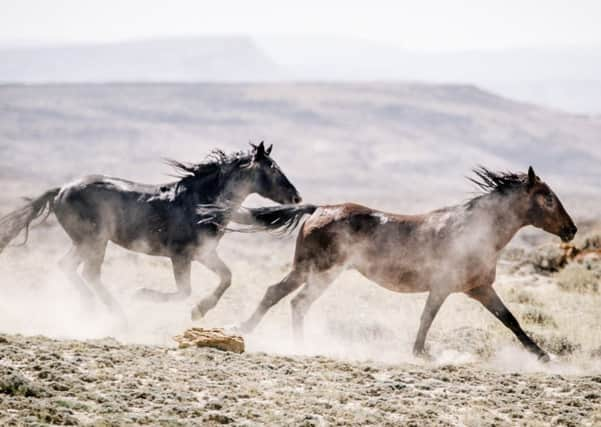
(104, 383)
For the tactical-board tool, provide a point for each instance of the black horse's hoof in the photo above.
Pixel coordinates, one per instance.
(202, 308)
(423, 354)
(196, 314)
(149, 295)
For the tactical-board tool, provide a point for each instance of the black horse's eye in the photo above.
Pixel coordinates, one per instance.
(549, 200)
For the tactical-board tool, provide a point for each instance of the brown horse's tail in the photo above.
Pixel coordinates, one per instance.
(15, 222)
(282, 218)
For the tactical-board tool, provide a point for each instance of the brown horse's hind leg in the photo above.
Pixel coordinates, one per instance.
(69, 264)
(272, 296)
(316, 285)
(433, 304)
(215, 264)
(487, 296)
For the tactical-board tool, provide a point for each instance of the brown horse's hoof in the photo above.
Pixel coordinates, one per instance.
(544, 358)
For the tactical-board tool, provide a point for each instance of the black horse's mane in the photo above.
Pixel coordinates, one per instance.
(217, 163)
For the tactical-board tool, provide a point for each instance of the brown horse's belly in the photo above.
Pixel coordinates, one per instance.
(394, 278)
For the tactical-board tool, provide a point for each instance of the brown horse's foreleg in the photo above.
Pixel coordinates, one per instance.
(272, 296)
(489, 299)
(433, 303)
(216, 265)
(182, 270)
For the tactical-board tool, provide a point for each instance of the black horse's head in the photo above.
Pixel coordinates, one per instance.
(228, 179)
(267, 179)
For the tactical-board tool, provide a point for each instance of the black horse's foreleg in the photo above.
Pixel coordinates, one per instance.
(93, 259)
(182, 267)
(212, 261)
(487, 296)
(69, 265)
(433, 304)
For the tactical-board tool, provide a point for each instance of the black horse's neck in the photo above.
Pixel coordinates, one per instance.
(228, 188)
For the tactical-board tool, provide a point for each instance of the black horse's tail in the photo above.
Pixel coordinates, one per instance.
(281, 218)
(15, 222)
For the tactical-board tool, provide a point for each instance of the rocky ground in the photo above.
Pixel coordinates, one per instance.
(355, 367)
(102, 382)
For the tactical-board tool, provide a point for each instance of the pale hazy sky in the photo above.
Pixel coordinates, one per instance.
(419, 25)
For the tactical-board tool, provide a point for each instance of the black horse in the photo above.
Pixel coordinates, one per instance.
(165, 220)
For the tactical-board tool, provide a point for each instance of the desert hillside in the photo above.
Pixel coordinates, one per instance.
(405, 147)
(400, 147)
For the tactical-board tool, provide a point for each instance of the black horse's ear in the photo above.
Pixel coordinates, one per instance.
(254, 147)
(268, 149)
(531, 177)
(259, 150)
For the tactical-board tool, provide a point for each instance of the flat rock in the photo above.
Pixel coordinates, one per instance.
(216, 338)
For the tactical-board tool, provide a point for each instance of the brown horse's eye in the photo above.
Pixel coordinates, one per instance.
(549, 200)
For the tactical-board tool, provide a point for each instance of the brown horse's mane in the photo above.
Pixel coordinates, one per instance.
(490, 181)
(495, 182)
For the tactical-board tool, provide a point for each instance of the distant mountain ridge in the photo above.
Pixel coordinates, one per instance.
(564, 78)
(220, 59)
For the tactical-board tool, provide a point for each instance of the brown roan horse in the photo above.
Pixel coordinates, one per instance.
(454, 249)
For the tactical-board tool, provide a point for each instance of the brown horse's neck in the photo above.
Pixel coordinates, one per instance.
(505, 215)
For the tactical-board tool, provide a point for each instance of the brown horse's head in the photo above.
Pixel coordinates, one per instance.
(546, 211)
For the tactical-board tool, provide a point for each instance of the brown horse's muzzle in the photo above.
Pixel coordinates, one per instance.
(568, 233)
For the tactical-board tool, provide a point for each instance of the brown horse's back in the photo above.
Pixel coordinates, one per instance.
(354, 236)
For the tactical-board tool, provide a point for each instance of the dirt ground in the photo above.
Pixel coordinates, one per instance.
(101, 382)
(354, 368)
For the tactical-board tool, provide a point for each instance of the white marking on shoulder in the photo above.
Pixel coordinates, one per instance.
(382, 217)
(438, 222)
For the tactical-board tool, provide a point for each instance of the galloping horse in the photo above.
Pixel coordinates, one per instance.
(454, 249)
(159, 220)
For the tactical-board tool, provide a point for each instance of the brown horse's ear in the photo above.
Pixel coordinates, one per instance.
(531, 177)
(268, 149)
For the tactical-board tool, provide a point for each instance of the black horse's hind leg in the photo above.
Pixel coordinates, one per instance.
(93, 258)
(272, 296)
(69, 264)
(182, 266)
(433, 304)
(212, 261)
(487, 296)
